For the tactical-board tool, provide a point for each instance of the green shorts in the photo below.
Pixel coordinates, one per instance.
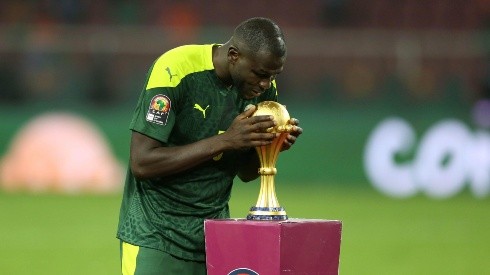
(137, 260)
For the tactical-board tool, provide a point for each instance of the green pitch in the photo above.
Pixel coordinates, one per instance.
(51, 234)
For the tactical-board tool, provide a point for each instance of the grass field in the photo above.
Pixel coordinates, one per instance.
(55, 234)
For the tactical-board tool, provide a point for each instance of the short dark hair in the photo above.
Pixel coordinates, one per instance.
(261, 34)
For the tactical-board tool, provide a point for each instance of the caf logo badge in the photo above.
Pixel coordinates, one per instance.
(159, 109)
(243, 271)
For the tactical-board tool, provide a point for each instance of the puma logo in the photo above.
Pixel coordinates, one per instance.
(198, 107)
(170, 73)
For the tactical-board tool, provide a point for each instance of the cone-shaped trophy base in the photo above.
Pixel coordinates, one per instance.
(267, 214)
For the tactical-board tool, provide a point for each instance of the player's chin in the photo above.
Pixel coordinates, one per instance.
(249, 95)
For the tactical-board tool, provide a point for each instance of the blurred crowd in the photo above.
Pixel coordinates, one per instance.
(434, 14)
(44, 58)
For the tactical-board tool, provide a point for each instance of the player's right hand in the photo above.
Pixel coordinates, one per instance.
(249, 131)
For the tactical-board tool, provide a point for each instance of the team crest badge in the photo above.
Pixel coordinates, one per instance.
(243, 271)
(158, 110)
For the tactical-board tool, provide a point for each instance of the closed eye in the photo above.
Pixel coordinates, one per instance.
(264, 76)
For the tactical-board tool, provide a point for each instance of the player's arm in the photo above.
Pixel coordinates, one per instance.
(249, 169)
(150, 158)
(251, 163)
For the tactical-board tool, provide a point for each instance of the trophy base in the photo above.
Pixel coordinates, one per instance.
(267, 214)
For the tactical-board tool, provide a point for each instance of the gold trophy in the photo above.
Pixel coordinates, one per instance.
(267, 207)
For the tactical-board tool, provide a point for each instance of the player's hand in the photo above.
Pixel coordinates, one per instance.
(249, 131)
(293, 135)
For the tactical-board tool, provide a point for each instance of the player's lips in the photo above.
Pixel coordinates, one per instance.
(256, 93)
(252, 94)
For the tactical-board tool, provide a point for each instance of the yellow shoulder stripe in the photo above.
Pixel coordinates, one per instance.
(274, 84)
(171, 67)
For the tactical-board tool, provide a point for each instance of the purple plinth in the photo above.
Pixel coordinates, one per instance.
(295, 246)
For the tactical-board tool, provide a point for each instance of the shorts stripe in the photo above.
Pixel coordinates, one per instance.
(128, 262)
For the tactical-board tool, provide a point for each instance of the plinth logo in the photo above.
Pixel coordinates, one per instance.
(243, 271)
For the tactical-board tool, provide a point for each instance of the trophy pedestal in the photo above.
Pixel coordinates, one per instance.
(295, 246)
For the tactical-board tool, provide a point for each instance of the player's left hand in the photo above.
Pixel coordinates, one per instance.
(293, 135)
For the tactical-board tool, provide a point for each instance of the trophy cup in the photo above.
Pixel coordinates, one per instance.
(267, 207)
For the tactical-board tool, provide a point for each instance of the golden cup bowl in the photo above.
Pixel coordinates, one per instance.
(281, 115)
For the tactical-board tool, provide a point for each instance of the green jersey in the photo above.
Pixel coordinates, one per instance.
(183, 101)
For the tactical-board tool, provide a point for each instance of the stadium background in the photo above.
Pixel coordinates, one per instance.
(351, 64)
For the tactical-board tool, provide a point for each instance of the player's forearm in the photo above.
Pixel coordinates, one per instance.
(249, 170)
(163, 161)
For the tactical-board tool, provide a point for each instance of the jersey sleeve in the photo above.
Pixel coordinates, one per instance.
(165, 87)
(154, 115)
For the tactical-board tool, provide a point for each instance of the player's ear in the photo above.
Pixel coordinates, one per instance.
(233, 54)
